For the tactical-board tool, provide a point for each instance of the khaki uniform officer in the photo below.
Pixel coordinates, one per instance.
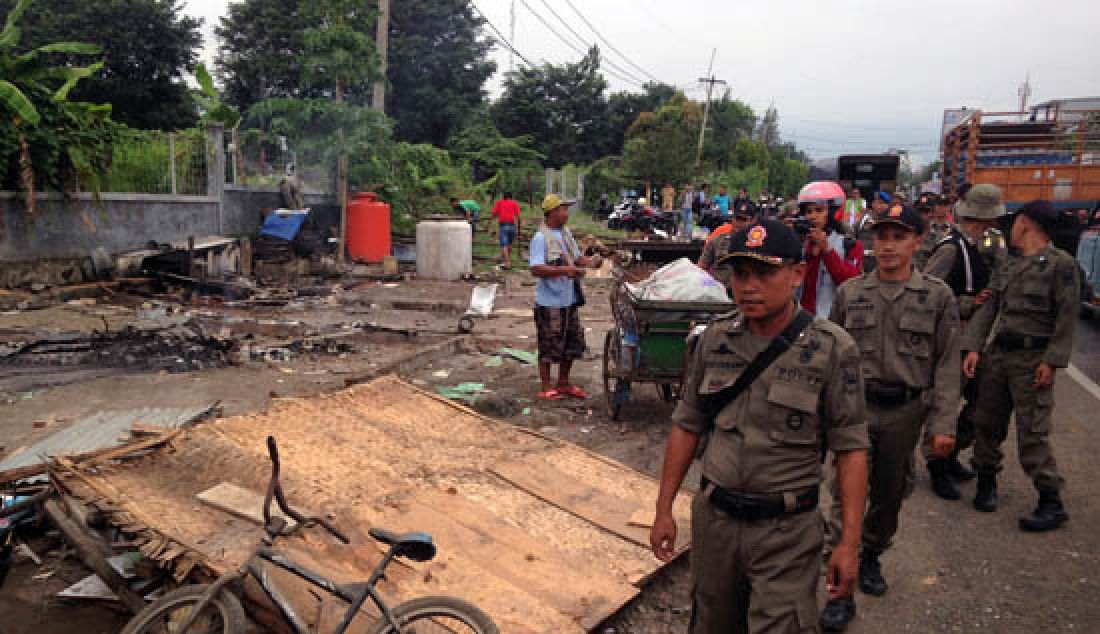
(1020, 336)
(756, 544)
(907, 328)
(965, 260)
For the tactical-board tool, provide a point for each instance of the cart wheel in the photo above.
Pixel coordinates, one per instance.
(615, 390)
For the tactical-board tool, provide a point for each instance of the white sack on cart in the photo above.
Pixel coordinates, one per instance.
(680, 281)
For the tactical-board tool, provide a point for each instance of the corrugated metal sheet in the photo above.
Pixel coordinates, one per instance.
(101, 431)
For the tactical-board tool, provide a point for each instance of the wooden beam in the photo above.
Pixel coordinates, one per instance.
(93, 552)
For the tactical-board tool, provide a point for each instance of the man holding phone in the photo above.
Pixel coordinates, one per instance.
(556, 261)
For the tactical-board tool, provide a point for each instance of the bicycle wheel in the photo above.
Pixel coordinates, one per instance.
(438, 615)
(223, 615)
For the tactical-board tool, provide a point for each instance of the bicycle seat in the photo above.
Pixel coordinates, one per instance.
(416, 545)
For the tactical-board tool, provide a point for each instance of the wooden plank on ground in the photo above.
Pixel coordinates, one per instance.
(587, 595)
(522, 577)
(241, 502)
(613, 514)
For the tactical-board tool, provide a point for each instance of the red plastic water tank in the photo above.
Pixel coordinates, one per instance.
(368, 228)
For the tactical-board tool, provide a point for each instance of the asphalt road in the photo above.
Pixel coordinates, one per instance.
(1086, 348)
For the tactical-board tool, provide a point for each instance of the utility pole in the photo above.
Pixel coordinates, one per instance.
(382, 40)
(512, 36)
(709, 80)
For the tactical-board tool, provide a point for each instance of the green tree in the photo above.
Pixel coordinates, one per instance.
(51, 142)
(482, 144)
(147, 46)
(262, 45)
(749, 153)
(562, 107)
(623, 109)
(729, 121)
(768, 130)
(437, 68)
(660, 146)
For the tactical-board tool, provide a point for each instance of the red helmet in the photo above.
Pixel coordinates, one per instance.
(823, 192)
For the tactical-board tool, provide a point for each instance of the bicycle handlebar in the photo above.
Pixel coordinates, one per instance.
(275, 490)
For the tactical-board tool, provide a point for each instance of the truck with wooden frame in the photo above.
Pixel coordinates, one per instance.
(1049, 153)
(869, 172)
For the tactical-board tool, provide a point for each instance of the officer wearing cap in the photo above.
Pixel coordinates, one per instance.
(907, 328)
(935, 229)
(756, 545)
(880, 204)
(1018, 339)
(965, 260)
(718, 243)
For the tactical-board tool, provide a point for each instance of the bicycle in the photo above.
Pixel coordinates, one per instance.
(215, 608)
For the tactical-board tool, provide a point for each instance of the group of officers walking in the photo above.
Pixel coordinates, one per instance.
(946, 351)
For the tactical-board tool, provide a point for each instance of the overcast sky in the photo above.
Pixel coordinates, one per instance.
(846, 75)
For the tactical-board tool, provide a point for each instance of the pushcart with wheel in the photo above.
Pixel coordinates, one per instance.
(648, 344)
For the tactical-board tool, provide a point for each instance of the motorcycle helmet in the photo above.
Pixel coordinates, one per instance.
(823, 192)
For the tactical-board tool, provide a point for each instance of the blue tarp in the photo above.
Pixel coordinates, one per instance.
(283, 223)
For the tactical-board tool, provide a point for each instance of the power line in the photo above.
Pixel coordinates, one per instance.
(586, 44)
(572, 45)
(609, 45)
(500, 38)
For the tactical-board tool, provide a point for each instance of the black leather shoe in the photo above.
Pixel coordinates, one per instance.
(958, 470)
(838, 613)
(871, 580)
(942, 484)
(985, 499)
(1049, 515)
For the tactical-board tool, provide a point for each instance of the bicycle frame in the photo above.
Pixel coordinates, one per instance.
(264, 552)
(271, 589)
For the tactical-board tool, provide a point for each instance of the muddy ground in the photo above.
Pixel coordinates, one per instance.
(952, 569)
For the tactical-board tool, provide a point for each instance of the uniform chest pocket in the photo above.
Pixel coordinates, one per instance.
(1035, 293)
(862, 323)
(916, 329)
(793, 413)
(718, 376)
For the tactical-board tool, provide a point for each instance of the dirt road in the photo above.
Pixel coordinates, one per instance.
(952, 569)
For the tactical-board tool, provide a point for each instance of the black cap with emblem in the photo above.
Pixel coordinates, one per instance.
(901, 216)
(769, 241)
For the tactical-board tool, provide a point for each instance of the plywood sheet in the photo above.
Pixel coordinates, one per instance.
(387, 454)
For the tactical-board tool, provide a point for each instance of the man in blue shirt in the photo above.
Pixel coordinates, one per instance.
(556, 262)
(723, 202)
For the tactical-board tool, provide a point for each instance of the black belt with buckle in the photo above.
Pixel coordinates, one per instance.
(745, 506)
(1013, 341)
(890, 395)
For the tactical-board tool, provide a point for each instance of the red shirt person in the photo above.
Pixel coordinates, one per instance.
(507, 212)
(832, 257)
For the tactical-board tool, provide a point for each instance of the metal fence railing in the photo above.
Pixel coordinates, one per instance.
(264, 160)
(156, 162)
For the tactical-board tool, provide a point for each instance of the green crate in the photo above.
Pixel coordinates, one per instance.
(662, 349)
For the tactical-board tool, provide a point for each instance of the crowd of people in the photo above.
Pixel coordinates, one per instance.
(861, 332)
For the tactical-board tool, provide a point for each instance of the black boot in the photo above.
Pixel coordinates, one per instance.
(838, 613)
(942, 484)
(871, 580)
(1049, 515)
(985, 499)
(958, 470)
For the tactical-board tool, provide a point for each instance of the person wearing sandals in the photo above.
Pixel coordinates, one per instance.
(558, 266)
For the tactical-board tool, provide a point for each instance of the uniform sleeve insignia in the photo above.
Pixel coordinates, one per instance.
(756, 237)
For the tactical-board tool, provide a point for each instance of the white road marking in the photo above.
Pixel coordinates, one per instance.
(1084, 381)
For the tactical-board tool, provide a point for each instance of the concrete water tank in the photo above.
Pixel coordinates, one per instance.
(444, 248)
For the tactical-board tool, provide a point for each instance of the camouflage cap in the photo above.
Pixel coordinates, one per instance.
(982, 202)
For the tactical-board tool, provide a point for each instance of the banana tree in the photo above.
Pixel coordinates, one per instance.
(27, 77)
(215, 110)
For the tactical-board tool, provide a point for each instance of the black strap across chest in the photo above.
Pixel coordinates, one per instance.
(717, 402)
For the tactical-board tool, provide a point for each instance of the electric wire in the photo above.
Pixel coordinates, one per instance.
(572, 45)
(609, 44)
(604, 60)
(500, 38)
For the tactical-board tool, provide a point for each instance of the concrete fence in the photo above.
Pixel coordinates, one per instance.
(76, 226)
